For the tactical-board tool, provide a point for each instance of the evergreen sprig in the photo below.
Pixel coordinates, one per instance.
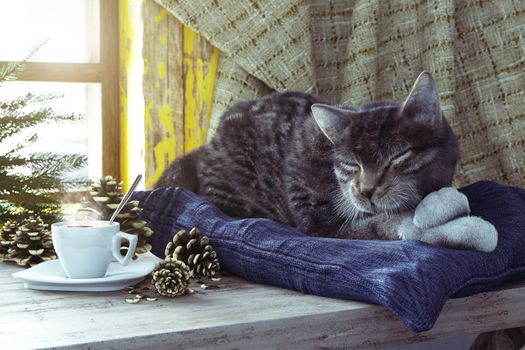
(31, 183)
(10, 71)
(28, 111)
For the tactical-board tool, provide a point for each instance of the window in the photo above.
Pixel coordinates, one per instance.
(78, 60)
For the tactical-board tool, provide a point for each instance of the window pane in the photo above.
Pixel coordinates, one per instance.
(83, 137)
(70, 27)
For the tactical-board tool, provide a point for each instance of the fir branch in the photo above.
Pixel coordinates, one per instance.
(13, 184)
(15, 148)
(23, 199)
(39, 190)
(12, 70)
(9, 161)
(17, 185)
(28, 100)
(54, 164)
(49, 172)
(42, 184)
(48, 212)
(16, 104)
(14, 122)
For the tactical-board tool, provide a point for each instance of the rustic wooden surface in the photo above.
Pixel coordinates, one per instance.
(238, 315)
(200, 66)
(179, 76)
(163, 85)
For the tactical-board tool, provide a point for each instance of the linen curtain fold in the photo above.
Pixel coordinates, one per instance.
(359, 51)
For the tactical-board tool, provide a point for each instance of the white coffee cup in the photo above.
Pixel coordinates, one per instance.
(85, 248)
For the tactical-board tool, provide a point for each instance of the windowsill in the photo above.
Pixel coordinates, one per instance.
(239, 314)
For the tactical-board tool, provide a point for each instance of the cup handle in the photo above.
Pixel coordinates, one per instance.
(117, 239)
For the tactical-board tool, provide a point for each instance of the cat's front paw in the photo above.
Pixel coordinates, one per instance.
(440, 207)
(468, 232)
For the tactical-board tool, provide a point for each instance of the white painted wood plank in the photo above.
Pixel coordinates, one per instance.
(239, 315)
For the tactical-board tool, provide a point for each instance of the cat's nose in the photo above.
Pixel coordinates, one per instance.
(367, 192)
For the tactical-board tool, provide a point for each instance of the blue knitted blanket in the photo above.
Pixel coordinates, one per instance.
(410, 278)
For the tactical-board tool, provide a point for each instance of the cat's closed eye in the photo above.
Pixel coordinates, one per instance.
(412, 162)
(402, 157)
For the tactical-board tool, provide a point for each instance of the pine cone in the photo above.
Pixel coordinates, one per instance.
(206, 263)
(107, 187)
(171, 277)
(183, 244)
(32, 243)
(106, 194)
(197, 253)
(7, 234)
(131, 222)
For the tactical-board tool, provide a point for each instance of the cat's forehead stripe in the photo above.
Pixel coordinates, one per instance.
(347, 166)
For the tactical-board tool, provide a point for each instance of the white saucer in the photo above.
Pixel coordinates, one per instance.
(50, 276)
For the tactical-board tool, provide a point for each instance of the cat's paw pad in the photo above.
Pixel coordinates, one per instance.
(440, 207)
(469, 232)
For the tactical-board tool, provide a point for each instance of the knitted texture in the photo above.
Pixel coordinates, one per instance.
(411, 278)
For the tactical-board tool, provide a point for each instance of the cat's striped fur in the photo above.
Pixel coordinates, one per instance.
(329, 171)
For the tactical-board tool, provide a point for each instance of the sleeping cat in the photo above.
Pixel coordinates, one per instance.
(343, 172)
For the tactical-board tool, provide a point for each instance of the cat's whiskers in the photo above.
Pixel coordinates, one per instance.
(400, 195)
(345, 209)
(403, 195)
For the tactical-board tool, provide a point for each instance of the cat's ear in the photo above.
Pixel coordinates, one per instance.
(331, 120)
(422, 103)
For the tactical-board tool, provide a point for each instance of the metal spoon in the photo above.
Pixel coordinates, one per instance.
(126, 198)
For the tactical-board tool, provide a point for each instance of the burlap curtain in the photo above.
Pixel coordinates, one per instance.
(363, 50)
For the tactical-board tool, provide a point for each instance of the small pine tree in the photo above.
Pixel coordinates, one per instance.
(31, 182)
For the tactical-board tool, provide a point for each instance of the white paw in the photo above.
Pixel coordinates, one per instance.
(440, 207)
(469, 232)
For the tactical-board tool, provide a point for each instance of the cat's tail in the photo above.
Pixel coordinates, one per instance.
(182, 172)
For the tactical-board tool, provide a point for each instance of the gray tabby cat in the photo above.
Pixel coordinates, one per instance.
(376, 172)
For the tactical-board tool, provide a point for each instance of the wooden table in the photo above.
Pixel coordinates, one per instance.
(238, 315)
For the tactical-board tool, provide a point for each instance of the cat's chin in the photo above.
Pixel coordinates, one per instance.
(375, 208)
(365, 209)
(368, 207)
